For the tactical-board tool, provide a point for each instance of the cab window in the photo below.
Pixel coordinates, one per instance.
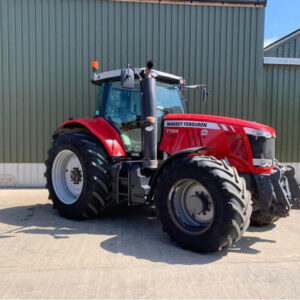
(99, 100)
(122, 108)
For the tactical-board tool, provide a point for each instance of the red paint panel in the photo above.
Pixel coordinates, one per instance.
(221, 120)
(225, 137)
(105, 132)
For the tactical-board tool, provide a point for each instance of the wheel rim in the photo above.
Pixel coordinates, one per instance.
(191, 206)
(67, 177)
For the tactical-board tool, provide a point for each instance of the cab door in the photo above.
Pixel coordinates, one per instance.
(122, 109)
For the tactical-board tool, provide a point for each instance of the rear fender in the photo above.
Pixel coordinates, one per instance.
(168, 161)
(100, 128)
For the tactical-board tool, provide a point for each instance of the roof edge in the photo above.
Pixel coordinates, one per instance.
(115, 74)
(236, 3)
(282, 40)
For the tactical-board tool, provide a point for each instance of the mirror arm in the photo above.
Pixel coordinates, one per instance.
(195, 86)
(135, 72)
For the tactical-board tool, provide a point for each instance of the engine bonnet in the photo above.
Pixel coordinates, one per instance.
(213, 122)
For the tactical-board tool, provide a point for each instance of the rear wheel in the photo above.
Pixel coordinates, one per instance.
(78, 176)
(202, 203)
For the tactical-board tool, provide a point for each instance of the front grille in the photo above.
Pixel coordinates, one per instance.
(263, 150)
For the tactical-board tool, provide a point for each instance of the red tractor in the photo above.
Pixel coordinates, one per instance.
(208, 176)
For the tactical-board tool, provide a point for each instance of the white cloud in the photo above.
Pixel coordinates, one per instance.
(267, 42)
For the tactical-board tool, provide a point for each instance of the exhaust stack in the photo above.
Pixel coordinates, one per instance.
(149, 120)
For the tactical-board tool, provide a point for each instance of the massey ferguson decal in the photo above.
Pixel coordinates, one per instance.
(191, 124)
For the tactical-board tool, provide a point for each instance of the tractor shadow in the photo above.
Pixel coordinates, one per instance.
(131, 231)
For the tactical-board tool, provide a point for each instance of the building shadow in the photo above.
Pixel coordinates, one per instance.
(131, 231)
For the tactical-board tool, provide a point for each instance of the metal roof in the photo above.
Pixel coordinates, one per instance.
(115, 74)
(282, 40)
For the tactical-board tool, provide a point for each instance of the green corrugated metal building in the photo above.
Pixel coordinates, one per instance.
(282, 95)
(47, 46)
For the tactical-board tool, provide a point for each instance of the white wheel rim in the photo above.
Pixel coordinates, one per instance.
(67, 176)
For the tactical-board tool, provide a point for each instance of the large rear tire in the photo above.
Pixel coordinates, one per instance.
(78, 176)
(203, 203)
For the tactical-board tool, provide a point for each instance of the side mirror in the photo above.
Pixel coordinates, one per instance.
(127, 78)
(204, 94)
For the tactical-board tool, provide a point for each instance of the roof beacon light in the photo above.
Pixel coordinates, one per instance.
(95, 66)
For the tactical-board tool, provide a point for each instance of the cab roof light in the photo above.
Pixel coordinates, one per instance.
(95, 65)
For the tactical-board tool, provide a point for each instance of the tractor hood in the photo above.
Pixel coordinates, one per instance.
(215, 122)
(248, 146)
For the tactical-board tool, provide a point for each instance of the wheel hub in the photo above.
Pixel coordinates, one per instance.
(75, 175)
(192, 205)
(198, 204)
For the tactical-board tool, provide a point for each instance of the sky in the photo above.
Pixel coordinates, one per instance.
(282, 17)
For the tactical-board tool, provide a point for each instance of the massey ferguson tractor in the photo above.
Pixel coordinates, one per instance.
(208, 176)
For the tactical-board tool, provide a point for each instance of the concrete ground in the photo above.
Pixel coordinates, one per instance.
(128, 256)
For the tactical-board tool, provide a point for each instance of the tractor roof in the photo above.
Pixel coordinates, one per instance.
(116, 74)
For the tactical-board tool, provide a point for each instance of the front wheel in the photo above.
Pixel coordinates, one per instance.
(203, 203)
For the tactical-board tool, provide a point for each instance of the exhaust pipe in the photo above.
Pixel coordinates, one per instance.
(149, 120)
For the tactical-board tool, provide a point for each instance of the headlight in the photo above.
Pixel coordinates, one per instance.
(262, 148)
(257, 132)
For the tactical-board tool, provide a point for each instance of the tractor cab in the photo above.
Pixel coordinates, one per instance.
(121, 105)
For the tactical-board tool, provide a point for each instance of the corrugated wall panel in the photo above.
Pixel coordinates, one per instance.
(47, 47)
(282, 97)
(282, 109)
